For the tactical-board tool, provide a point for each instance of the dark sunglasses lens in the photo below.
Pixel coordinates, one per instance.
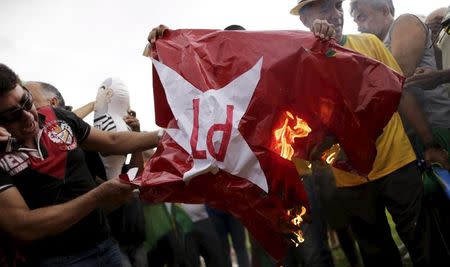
(28, 104)
(15, 115)
(11, 116)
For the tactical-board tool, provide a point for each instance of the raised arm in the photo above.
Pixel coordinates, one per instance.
(137, 159)
(154, 34)
(409, 108)
(120, 143)
(85, 110)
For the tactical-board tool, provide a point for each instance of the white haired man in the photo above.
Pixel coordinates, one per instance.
(394, 182)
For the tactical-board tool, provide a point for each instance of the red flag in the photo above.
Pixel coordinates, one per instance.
(223, 94)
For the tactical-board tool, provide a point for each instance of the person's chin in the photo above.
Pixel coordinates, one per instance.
(364, 30)
(31, 128)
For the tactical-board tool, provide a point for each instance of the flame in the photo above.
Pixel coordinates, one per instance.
(330, 155)
(297, 221)
(293, 127)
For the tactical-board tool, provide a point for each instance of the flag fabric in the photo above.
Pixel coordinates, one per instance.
(222, 94)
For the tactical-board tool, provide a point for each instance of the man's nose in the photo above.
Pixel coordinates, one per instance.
(26, 114)
(336, 21)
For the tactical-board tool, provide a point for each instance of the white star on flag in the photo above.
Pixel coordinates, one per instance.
(197, 111)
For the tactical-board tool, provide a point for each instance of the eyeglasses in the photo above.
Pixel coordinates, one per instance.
(26, 103)
(445, 30)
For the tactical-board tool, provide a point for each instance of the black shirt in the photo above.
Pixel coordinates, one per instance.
(56, 173)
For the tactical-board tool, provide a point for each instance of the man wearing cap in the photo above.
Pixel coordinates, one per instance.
(394, 182)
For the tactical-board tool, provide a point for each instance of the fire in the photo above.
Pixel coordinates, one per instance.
(330, 155)
(297, 221)
(293, 127)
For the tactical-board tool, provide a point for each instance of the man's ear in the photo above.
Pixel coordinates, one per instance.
(305, 21)
(386, 11)
(54, 102)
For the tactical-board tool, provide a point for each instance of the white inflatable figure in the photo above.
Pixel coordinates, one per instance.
(112, 105)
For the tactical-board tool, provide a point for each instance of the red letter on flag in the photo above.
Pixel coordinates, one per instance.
(198, 154)
(226, 129)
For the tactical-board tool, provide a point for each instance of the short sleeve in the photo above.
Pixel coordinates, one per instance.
(80, 128)
(5, 180)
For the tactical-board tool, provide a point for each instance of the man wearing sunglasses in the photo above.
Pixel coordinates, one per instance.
(24, 109)
(47, 196)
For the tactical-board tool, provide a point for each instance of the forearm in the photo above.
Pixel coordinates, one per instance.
(409, 108)
(130, 142)
(137, 158)
(85, 110)
(52, 220)
(137, 161)
(120, 143)
(444, 76)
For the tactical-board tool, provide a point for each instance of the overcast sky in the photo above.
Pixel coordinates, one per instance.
(76, 44)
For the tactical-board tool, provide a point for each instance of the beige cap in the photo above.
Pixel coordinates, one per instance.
(300, 3)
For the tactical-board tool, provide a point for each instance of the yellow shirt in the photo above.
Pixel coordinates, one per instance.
(393, 147)
(370, 46)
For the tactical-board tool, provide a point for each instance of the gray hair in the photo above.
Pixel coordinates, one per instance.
(50, 91)
(377, 4)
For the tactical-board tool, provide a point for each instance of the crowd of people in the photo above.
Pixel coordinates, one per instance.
(63, 204)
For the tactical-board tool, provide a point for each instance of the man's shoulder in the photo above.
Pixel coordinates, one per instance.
(406, 17)
(370, 46)
(364, 37)
(408, 22)
(365, 43)
(53, 113)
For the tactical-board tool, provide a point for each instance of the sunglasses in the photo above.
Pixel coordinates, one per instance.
(26, 104)
(445, 29)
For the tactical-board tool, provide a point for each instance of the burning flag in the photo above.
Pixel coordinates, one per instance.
(238, 105)
(285, 135)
